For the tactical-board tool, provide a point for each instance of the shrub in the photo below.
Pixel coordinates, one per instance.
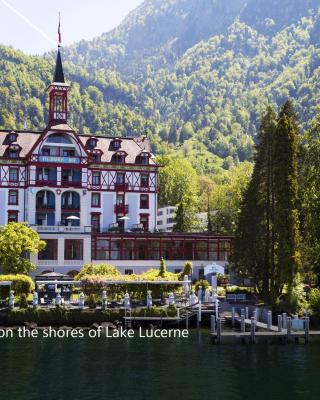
(204, 283)
(21, 284)
(23, 301)
(187, 270)
(105, 270)
(239, 289)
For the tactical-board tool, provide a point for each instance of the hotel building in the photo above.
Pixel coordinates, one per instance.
(91, 198)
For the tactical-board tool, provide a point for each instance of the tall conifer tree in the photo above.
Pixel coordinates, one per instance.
(267, 244)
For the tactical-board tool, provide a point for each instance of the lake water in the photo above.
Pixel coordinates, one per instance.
(137, 369)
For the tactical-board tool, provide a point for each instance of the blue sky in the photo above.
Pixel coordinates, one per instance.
(80, 19)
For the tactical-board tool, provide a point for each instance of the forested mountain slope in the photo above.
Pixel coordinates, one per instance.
(196, 74)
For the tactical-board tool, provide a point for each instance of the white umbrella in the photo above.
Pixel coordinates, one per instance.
(73, 217)
(123, 218)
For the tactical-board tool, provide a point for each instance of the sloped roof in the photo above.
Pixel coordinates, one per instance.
(132, 146)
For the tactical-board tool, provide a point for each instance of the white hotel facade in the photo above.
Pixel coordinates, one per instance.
(91, 198)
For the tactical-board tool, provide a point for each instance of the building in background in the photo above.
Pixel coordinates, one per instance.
(166, 221)
(91, 198)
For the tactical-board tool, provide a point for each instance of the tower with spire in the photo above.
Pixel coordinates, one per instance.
(58, 95)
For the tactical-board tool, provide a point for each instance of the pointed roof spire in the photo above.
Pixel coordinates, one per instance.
(58, 74)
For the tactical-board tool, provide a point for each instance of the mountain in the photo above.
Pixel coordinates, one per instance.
(196, 75)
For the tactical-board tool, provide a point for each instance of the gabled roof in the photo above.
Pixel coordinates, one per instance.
(28, 141)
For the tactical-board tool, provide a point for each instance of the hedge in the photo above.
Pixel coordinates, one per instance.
(21, 284)
(59, 316)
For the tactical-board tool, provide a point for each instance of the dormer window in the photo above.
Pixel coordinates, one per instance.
(13, 154)
(92, 142)
(143, 158)
(119, 157)
(12, 137)
(95, 156)
(116, 144)
(13, 151)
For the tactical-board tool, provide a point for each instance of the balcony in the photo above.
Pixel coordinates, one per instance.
(121, 208)
(71, 207)
(46, 182)
(121, 186)
(71, 183)
(45, 207)
(61, 229)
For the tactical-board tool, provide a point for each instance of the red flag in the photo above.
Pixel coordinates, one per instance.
(59, 31)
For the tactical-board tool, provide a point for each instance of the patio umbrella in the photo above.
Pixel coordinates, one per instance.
(123, 218)
(73, 217)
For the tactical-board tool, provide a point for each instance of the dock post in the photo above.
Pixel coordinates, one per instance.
(199, 315)
(187, 319)
(213, 324)
(269, 319)
(257, 314)
(253, 330)
(254, 316)
(233, 316)
(219, 330)
(242, 312)
(284, 320)
(279, 323)
(306, 329)
(243, 325)
(247, 313)
(288, 328)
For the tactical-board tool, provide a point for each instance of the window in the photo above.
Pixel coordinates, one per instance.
(92, 142)
(170, 220)
(73, 249)
(45, 152)
(13, 197)
(50, 252)
(144, 180)
(13, 174)
(95, 222)
(143, 159)
(144, 201)
(12, 137)
(201, 274)
(12, 216)
(120, 178)
(96, 157)
(120, 199)
(115, 144)
(96, 178)
(13, 154)
(159, 212)
(144, 221)
(95, 200)
(160, 222)
(119, 157)
(128, 271)
(68, 153)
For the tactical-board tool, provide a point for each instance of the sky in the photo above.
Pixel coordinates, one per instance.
(32, 25)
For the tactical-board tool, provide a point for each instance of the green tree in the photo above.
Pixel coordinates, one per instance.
(178, 179)
(267, 243)
(17, 242)
(186, 215)
(310, 194)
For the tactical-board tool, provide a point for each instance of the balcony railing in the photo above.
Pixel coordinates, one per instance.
(61, 229)
(121, 186)
(46, 182)
(45, 207)
(70, 207)
(121, 208)
(71, 183)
